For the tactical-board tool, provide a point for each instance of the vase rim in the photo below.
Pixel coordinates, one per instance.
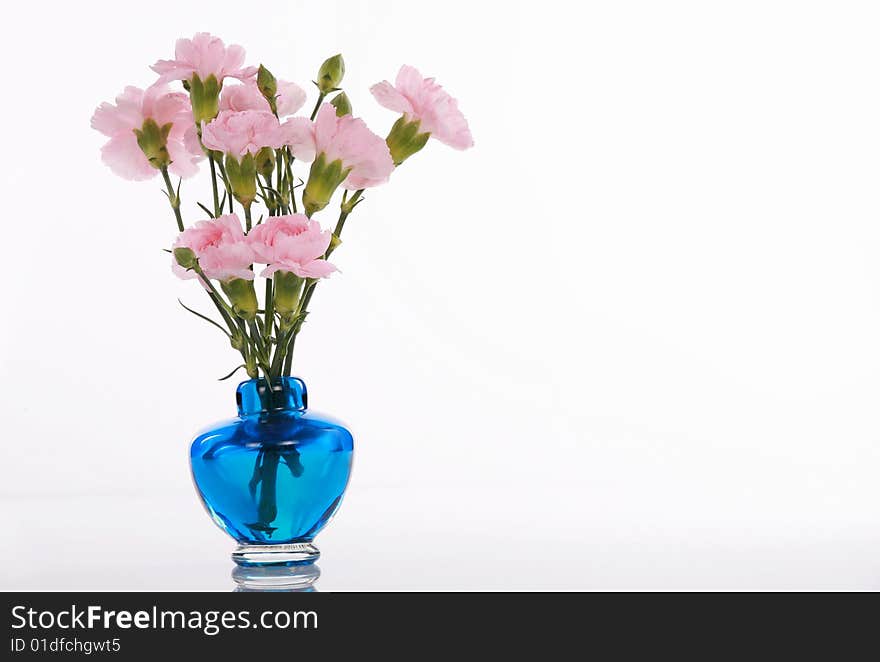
(288, 394)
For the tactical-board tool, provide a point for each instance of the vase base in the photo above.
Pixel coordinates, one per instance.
(275, 578)
(291, 554)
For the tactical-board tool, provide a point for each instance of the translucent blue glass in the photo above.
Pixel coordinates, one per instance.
(273, 477)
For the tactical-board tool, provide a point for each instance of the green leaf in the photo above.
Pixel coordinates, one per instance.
(204, 317)
(208, 211)
(235, 370)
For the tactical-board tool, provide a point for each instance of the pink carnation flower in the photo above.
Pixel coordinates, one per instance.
(422, 99)
(221, 248)
(204, 55)
(133, 107)
(238, 133)
(289, 99)
(292, 243)
(345, 138)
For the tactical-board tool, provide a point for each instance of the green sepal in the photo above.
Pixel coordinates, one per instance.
(404, 140)
(288, 287)
(242, 177)
(204, 96)
(324, 179)
(242, 296)
(153, 141)
(265, 161)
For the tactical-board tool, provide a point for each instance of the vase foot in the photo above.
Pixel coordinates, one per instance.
(291, 554)
(275, 578)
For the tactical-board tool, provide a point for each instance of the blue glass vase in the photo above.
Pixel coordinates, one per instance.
(273, 477)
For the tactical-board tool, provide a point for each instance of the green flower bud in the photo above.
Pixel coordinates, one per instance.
(342, 105)
(243, 297)
(185, 257)
(242, 177)
(153, 141)
(330, 74)
(268, 86)
(324, 179)
(404, 140)
(204, 97)
(265, 161)
(288, 287)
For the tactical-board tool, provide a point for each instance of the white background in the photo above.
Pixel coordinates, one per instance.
(631, 340)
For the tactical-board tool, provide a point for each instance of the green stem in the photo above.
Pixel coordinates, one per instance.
(288, 162)
(226, 184)
(247, 217)
(317, 105)
(273, 203)
(217, 209)
(173, 198)
(268, 315)
(279, 186)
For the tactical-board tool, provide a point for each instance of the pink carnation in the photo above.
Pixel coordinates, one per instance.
(221, 248)
(292, 243)
(204, 55)
(289, 99)
(132, 108)
(422, 99)
(238, 133)
(345, 138)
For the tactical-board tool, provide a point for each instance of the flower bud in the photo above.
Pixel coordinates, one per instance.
(153, 141)
(268, 86)
(242, 177)
(265, 161)
(242, 296)
(342, 105)
(204, 97)
(404, 140)
(330, 74)
(324, 179)
(185, 257)
(287, 291)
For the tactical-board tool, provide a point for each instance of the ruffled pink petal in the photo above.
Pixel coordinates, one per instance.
(108, 121)
(244, 73)
(390, 98)
(192, 142)
(170, 107)
(356, 181)
(238, 133)
(291, 97)
(125, 158)
(234, 57)
(314, 269)
(409, 81)
(326, 130)
(170, 70)
(183, 162)
(299, 134)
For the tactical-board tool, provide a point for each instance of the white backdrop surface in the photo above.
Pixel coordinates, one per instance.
(630, 340)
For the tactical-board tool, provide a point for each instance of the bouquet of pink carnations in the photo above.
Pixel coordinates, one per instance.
(253, 143)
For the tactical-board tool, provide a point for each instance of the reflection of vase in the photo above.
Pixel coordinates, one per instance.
(274, 476)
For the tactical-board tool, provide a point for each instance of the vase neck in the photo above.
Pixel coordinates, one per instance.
(288, 394)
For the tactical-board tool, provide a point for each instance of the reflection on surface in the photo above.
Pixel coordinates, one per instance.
(295, 578)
